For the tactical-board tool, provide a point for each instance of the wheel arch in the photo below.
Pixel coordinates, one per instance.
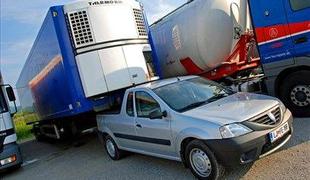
(107, 132)
(184, 143)
(188, 135)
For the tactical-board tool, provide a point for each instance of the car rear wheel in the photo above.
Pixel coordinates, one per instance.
(111, 148)
(295, 93)
(202, 161)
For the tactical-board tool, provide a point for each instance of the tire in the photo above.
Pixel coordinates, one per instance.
(37, 134)
(111, 148)
(214, 170)
(295, 93)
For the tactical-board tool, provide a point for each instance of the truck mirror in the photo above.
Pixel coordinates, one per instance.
(10, 93)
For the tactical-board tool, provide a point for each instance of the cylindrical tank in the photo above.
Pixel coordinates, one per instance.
(202, 30)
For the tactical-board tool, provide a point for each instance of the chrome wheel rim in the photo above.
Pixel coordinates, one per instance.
(300, 95)
(200, 162)
(110, 148)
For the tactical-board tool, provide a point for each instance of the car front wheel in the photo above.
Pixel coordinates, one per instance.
(202, 161)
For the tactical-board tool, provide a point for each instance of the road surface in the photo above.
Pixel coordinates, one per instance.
(88, 160)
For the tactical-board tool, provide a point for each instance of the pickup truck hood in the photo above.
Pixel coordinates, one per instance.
(235, 108)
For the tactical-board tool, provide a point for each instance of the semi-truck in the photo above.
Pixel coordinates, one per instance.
(251, 45)
(10, 154)
(85, 55)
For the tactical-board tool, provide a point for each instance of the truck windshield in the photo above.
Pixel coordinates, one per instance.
(3, 105)
(189, 94)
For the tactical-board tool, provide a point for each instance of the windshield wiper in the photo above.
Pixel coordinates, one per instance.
(216, 97)
(191, 106)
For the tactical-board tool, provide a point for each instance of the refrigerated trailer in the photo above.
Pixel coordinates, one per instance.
(251, 45)
(85, 55)
(10, 155)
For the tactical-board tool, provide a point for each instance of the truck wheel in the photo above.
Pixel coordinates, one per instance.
(295, 93)
(202, 161)
(113, 151)
(37, 134)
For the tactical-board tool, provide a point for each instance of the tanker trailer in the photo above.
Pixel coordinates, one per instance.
(214, 39)
(198, 36)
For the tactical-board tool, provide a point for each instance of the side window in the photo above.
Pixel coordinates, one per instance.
(145, 104)
(299, 4)
(129, 104)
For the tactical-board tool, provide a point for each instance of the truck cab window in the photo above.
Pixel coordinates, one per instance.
(129, 104)
(145, 104)
(300, 4)
(3, 105)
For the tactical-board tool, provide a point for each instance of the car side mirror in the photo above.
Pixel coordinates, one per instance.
(157, 114)
(10, 93)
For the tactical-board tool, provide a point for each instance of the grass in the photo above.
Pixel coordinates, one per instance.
(23, 131)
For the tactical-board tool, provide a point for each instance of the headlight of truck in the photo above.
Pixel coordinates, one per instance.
(234, 130)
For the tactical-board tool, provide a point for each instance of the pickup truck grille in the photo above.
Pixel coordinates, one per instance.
(272, 117)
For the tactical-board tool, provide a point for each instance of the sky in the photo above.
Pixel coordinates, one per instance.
(21, 20)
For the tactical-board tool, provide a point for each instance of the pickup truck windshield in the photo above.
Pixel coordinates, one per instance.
(188, 94)
(3, 106)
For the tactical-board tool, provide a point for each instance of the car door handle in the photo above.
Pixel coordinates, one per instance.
(138, 126)
(301, 40)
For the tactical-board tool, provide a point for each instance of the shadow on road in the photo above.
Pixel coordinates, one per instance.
(34, 151)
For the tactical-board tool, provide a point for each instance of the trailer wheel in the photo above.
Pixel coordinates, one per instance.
(295, 93)
(111, 148)
(37, 133)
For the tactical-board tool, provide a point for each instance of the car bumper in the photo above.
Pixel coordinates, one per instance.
(11, 150)
(250, 147)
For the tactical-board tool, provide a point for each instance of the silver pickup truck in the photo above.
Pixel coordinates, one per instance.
(198, 122)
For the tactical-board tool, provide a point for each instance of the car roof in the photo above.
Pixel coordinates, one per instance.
(163, 82)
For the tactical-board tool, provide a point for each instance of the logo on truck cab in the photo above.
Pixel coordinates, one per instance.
(95, 3)
(273, 32)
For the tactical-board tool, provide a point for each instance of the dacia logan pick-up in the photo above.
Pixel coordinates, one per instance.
(198, 122)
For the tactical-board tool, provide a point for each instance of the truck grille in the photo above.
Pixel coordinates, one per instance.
(80, 28)
(272, 117)
(140, 22)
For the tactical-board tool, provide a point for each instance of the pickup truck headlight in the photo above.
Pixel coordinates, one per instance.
(234, 130)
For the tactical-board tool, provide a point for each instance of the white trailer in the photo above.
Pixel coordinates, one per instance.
(85, 55)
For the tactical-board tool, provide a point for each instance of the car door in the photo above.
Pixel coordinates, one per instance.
(154, 135)
(298, 16)
(123, 126)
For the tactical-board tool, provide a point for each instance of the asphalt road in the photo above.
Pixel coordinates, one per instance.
(89, 161)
